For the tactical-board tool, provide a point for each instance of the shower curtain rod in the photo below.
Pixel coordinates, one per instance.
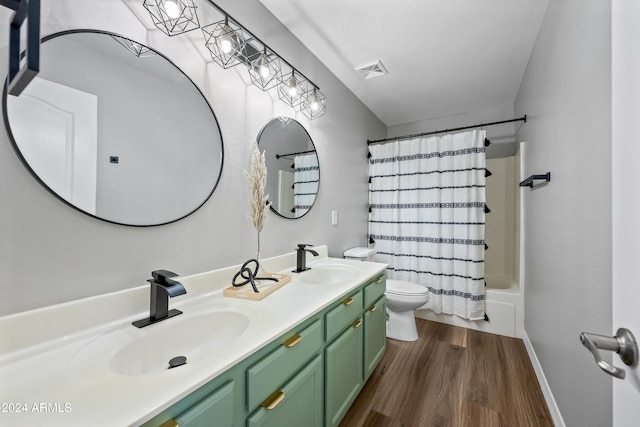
(396, 138)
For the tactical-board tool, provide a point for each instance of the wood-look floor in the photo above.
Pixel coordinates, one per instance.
(452, 377)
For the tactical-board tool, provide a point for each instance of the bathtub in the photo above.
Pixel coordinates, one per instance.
(504, 307)
(501, 283)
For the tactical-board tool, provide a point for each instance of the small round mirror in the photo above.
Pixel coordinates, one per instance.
(293, 171)
(116, 130)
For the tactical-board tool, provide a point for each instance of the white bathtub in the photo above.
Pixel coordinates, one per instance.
(504, 307)
(501, 283)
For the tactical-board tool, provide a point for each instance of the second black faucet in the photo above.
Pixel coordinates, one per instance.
(301, 257)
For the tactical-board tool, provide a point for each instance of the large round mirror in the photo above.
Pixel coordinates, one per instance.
(116, 130)
(293, 171)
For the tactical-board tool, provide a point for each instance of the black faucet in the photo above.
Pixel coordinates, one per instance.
(162, 288)
(301, 258)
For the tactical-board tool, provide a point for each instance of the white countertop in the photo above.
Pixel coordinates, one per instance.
(44, 380)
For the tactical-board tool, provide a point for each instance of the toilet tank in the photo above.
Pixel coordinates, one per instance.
(361, 254)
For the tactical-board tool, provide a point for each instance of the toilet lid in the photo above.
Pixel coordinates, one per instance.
(359, 252)
(400, 287)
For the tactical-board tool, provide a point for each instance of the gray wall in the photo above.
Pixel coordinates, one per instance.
(566, 94)
(50, 253)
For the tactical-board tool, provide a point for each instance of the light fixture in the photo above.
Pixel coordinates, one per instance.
(265, 71)
(226, 44)
(230, 44)
(292, 89)
(139, 50)
(314, 105)
(173, 16)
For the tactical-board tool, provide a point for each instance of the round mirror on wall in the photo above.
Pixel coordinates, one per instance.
(293, 171)
(116, 130)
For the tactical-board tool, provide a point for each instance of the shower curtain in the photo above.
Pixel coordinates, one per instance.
(306, 177)
(427, 204)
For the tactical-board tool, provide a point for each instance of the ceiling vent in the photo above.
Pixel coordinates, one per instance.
(375, 69)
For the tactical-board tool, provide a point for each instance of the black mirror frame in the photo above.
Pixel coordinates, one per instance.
(16, 149)
(319, 179)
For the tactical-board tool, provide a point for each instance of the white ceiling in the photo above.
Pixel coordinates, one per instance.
(444, 57)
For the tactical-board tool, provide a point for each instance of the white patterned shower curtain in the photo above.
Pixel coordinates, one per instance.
(427, 203)
(306, 177)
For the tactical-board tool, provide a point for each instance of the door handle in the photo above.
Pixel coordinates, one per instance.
(623, 343)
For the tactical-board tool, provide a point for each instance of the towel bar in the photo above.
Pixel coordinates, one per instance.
(529, 181)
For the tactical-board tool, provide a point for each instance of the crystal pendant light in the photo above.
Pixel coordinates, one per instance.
(173, 16)
(226, 44)
(315, 105)
(265, 71)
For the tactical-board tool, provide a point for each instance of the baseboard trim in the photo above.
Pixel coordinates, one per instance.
(546, 390)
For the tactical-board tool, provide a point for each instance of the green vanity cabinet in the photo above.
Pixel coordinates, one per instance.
(352, 356)
(297, 403)
(273, 370)
(218, 406)
(375, 340)
(375, 324)
(343, 365)
(343, 314)
(309, 376)
(374, 289)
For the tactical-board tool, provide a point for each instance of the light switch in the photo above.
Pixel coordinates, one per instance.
(334, 217)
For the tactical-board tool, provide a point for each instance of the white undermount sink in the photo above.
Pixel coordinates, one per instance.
(329, 274)
(202, 331)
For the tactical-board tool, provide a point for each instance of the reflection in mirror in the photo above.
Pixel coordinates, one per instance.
(116, 130)
(293, 172)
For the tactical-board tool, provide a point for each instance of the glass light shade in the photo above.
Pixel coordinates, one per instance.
(265, 71)
(173, 16)
(314, 105)
(226, 43)
(292, 89)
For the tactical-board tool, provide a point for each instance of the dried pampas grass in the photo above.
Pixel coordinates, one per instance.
(258, 201)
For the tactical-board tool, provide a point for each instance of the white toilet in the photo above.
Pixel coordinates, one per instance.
(402, 298)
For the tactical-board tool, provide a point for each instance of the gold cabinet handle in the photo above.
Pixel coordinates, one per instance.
(274, 400)
(348, 301)
(373, 308)
(291, 341)
(379, 280)
(170, 423)
(357, 323)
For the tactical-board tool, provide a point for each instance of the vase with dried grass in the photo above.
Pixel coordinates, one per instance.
(258, 201)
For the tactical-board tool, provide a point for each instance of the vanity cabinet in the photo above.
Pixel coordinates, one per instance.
(297, 403)
(375, 342)
(307, 377)
(283, 399)
(375, 324)
(359, 323)
(218, 405)
(344, 377)
(273, 370)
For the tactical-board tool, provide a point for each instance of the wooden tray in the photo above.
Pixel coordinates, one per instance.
(265, 287)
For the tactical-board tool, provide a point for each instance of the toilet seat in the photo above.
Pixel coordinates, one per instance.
(400, 287)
